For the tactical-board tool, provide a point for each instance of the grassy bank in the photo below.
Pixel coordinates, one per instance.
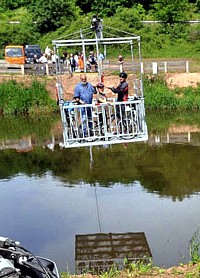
(18, 98)
(144, 271)
(33, 99)
(158, 96)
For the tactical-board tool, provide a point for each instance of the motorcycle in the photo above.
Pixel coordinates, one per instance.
(18, 262)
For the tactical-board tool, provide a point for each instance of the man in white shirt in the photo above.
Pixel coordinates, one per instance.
(43, 59)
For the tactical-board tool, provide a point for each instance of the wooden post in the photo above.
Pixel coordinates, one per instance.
(155, 67)
(142, 67)
(22, 70)
(187, 67)
(47, 69)
(165, 67)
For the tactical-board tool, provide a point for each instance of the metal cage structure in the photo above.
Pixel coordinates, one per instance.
(102, 125)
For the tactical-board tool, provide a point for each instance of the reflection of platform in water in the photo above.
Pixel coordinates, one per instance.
(99, 252)
(23, 144)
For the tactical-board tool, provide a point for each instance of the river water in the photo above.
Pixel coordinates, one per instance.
(50, 196)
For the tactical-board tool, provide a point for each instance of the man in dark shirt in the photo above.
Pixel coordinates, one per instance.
(122, 91)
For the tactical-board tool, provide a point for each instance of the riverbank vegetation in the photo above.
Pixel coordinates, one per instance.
(159, 96)
(32, 99)
(41, 21)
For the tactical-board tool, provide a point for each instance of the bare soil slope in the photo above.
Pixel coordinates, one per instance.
(183, 79)
(69, 83)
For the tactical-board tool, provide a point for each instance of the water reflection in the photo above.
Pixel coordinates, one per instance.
(49, 195)
(170, 171)
(45, 216)
(97, 253)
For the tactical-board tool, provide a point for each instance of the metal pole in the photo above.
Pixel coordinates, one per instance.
(140, 61)
(132, 58)
(105, 54)
(83, 49)
(58, 75)
(98, 64)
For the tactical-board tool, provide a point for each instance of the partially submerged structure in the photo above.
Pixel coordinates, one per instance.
(103, 125)
(98, 253)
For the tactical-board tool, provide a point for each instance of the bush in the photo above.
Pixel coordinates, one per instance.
(158, 96)
(16, 98)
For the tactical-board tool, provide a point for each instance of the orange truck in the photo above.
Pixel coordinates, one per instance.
(15, 54)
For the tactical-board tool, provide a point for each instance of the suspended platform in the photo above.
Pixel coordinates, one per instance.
(111, 123)
(94, 124)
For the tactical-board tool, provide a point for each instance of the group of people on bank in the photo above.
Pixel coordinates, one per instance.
(75, 61)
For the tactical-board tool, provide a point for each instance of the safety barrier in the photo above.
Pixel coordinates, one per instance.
(149, 66)
(144, 67)
(99, 124)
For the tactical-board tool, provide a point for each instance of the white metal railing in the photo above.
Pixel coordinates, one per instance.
(144, 67)
(93, 124)
(150, 67)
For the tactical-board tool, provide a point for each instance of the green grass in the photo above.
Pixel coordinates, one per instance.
(159, 97)
(194, 248)
(17, 98)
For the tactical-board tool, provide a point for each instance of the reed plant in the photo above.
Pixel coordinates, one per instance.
(159, 96)
(18, 98)
(194, 248)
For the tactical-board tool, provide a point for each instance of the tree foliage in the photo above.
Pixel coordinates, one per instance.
(171, 11)
(44, 20)
(52, 14)
(19, 33)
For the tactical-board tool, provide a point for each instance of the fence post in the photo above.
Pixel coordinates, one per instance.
(142, 67)
(165, 67)
(47, 69)
(155, 67)
(187, 66)
(22, 69)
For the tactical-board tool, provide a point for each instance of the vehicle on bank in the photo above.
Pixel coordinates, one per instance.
(31, 51)
(20, 54)
(18, 262)
(15, 54)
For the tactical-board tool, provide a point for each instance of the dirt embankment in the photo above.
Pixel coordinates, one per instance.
(173, 81)
(69, 83)
(183, 79)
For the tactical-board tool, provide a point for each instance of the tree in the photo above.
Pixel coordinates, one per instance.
(171, 11)
(103, 7)
(131, 17)
(14, 4)
(52, 14)
(22, 33)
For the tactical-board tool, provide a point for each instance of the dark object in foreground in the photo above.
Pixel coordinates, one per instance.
(16, 261)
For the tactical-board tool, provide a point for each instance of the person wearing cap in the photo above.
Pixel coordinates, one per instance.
(101, 98)
(101, 94)
(122, 89)
(122, 93)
